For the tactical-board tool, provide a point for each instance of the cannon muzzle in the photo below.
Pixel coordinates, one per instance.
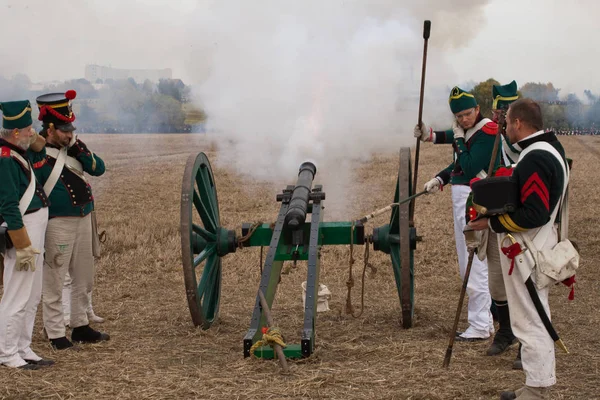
(296, 214)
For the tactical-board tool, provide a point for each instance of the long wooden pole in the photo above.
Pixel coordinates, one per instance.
(501, 121)
(426, 32)
(276, 347)
(463, 290)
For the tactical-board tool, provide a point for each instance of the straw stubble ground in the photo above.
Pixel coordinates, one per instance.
(155, 352)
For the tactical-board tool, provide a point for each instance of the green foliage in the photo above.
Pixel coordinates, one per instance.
(540, 91)
(483, 94)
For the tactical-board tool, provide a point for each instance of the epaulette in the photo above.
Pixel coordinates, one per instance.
(5, 152)
(491, 128)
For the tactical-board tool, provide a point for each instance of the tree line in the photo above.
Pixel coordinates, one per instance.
(119, 106)
(125, 106)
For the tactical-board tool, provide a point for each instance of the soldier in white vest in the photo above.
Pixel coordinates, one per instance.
(540, 180)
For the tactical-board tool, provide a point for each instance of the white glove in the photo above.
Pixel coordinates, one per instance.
(422, 132)
(433, 185)
(26, 258)
(459, 132)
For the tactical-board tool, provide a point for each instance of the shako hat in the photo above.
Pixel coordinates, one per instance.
(55, 109)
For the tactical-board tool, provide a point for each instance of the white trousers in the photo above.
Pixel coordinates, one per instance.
(537, 353)
(22, 293)
(481, 323)
(68, 248)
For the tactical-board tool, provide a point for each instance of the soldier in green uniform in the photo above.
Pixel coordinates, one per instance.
(472, 138)
(24, 217)
(69, 234)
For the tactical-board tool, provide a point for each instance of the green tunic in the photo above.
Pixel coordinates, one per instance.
(15, 180)
(72, 195)
(470, 157)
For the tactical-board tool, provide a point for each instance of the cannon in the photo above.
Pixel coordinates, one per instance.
(297, 234)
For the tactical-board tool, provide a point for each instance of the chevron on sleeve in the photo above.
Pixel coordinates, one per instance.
(535, 184)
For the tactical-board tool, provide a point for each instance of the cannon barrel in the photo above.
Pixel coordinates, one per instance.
(296, 214)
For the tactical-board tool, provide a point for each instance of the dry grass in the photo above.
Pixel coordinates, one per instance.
(155, 352)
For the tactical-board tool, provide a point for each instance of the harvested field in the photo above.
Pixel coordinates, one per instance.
(156, 353)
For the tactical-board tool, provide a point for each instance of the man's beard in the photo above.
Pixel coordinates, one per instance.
(24, 143)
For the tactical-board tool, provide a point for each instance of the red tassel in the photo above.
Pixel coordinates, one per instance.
(570, 282)
(511, 252)
(70, 94)
(572, 293)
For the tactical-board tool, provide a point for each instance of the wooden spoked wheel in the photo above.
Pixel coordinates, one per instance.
(200, 234)
(402, 250)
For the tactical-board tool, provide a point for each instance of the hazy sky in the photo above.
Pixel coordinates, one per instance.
(333, 81)
(535, 40)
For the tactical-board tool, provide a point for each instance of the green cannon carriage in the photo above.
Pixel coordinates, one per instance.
(297, 235)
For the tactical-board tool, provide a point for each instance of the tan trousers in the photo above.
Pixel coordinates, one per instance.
(22, 292)
(495, 277)
(68, 248)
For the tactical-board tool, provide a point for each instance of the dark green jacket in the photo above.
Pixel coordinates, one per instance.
(72, 196)
(14, 180)
(470, 157)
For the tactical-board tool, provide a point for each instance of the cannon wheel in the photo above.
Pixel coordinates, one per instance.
(402, 253)
(200, 223)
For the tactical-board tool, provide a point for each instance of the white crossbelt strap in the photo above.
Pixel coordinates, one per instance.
(28, 195)
(508, 154)
(470, 132)
(61, 157)
(544, 231)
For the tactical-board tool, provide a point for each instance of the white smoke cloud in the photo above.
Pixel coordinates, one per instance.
(329, 81)
(284, 80)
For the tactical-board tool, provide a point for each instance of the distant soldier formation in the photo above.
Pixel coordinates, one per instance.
(574, 132)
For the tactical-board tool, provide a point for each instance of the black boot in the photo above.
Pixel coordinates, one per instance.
(494, 310)
(517, 364)
(504, 338)
(61, 343)
(508, 395)
(85, 334)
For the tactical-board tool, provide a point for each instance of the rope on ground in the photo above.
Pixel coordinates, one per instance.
(270, 337)
(350, 282)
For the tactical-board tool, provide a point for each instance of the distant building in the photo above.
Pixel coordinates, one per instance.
(95, 72)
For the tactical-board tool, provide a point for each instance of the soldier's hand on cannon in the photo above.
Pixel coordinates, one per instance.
(423, 132)
(26, 259)
(433, 185)
(459, 132)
